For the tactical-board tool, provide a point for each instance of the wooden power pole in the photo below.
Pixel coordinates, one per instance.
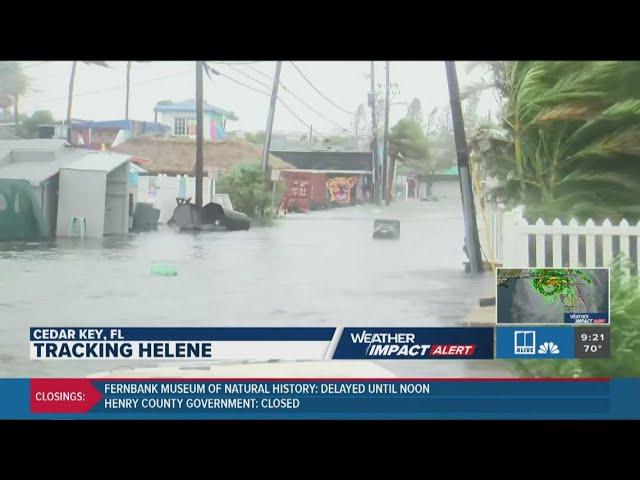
(199, 133)
(385, 148)
(72, 80)
(472, 243)
(272, 111)
(374, 138)
(126, 107)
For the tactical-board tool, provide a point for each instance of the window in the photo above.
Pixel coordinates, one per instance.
(180, 126)
(184, 126)
(16, 204)
(191, 126)
(3, 203)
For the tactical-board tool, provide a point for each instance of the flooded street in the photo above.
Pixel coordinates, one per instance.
(315, 269)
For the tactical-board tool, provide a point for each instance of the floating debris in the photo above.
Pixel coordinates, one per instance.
(163, 270)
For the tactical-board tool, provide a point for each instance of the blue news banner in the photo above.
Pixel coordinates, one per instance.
(103, 397)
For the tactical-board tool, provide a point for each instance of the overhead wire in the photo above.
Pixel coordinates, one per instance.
(117, 87)
(279, 99)
(320, 114)
(319, 92)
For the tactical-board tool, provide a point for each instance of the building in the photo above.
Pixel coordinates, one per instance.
(180, 118)
(299, 141)
(109, 133)
(325, 178)
(94, 187)
(170, 165)
(45, 183)
(442, 184)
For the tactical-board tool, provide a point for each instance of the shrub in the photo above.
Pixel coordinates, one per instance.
(249, 190)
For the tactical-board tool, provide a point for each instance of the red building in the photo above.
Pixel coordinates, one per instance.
(304, 190)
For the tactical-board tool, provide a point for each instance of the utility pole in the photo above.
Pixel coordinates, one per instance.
(385, 148)
(70, 100)
(272, 111)
(126, 108)
(472, 243)
(374, 136)
(311, 134)
(199, 133)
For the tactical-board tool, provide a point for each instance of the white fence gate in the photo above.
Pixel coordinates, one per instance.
(514, 243)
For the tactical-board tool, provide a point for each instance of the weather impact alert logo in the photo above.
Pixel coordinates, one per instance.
(525, 344)
(394, 345)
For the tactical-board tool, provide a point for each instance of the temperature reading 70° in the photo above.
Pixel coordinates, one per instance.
(592, 342)
(592, 348)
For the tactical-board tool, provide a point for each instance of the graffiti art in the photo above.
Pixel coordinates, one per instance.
(340, 189)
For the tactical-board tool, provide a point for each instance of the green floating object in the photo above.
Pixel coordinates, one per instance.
(164, 270)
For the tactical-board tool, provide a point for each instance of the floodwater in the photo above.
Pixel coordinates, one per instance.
(316, 269)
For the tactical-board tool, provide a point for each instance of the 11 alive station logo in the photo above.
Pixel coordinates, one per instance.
(397, 345)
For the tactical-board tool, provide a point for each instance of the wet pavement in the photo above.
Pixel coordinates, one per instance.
(316, 269)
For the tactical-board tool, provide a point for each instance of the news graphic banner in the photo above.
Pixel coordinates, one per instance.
(424, 398)
(110, 343)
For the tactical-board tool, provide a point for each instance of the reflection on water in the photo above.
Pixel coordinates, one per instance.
(322, 268)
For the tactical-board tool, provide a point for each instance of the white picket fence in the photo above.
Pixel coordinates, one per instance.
(513, 242)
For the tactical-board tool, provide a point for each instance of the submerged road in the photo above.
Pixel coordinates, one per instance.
(315, 269)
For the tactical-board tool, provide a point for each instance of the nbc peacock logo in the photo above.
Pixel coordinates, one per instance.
(549, 348)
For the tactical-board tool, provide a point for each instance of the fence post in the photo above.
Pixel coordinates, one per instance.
(512, 238)
(540, 246)
(574, 260)
(590, 243)
(556, 251)
(607, 244)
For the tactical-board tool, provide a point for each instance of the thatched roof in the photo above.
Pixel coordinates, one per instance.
(177, 155)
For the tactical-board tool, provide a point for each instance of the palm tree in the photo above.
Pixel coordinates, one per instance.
(72, 80)
(407, 143)
(13, 84)
(573, 141)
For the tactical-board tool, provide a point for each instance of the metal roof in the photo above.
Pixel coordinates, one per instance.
(36, 160)
(136, 168)
(98, 162)
(190, 106)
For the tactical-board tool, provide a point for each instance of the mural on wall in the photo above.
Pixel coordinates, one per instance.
(340, 189)
(216, 131)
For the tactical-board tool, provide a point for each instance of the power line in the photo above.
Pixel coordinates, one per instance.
(222, 74)
(117, 87)
(320, 114)
(260, 72)
(250, 77)
(319, 92)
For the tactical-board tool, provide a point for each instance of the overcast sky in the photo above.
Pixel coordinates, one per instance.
(100, 92)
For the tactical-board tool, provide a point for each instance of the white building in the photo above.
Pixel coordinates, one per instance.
(66, 183)
(180, 117)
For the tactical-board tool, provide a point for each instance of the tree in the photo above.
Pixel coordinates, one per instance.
(257, 137)
(29, 126)
(569, 145)
(13, 84)
(360, 124)
(407, 143)
(414, 112)
(248, 189)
